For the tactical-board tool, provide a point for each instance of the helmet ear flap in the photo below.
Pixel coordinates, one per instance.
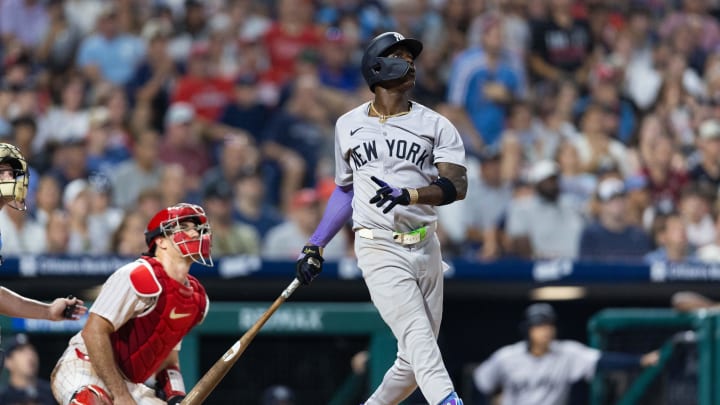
(151, 235)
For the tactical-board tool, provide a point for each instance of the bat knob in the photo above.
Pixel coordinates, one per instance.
(70, 309)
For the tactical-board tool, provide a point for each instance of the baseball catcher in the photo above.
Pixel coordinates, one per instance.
(139, 318)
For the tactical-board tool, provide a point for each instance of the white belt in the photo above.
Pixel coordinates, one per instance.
(403, 238)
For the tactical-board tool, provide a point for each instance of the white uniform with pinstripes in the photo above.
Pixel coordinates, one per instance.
(118, 303)
(405, 281)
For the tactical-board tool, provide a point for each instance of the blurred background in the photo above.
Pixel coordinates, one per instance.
(592, 133)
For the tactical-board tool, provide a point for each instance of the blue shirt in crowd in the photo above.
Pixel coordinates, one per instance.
(268, 218)
(116, 57)
(469, 74)
(601, 244)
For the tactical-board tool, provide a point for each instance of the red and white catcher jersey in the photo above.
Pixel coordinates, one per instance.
(143, 343)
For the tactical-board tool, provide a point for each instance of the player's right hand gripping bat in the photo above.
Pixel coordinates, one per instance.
(212, 377)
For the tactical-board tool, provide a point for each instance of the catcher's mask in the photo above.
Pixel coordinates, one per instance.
(14, 190)
(378, 68)
(172, 222)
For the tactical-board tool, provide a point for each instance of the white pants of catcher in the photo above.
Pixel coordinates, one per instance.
(74, 371)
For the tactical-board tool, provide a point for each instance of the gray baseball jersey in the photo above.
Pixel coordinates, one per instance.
(528, 379)
(405, 281)
(402, 151)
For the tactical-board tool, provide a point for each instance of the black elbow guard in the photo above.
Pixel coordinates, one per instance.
(448, 189)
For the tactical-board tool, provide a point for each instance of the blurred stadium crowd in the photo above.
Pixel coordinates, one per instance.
(592, 127)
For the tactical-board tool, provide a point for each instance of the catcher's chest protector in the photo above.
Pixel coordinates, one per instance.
(143, 343)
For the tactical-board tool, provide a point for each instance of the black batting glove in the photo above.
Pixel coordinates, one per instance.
(175, 400)
(70, 309)
(387, 193)
(309, 265)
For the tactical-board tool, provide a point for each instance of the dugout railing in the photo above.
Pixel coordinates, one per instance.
(689, 365)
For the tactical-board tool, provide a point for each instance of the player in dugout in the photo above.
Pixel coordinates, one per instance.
(137, 322)
(541, 369)
(395, 161)
(14, 182)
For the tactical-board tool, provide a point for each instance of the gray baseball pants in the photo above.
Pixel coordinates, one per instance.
(406, 286)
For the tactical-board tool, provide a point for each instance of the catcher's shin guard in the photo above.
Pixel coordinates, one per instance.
(91, 395)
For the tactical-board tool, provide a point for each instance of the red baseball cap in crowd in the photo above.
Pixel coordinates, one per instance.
(305, 197)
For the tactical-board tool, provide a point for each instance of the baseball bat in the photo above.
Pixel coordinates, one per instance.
(212, 377)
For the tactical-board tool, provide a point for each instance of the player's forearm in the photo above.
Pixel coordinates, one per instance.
(14, 304)
(100, 352)
(618, 361)
(433, 194)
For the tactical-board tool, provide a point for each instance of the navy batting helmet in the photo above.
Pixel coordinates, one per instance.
(540, 314)
(536, 314)
(377, 68)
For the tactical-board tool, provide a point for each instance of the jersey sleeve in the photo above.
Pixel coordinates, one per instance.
(449, 147)
(343, 171)
(583, 361)
(488, 375)
(118, 301)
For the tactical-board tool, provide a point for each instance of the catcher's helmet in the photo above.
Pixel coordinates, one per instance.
(168, 222)
(15, 190)
(377, 68)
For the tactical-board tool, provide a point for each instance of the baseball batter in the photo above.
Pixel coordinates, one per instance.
(14, 181)
(136, 323)
(394, 161)
(541, 370)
